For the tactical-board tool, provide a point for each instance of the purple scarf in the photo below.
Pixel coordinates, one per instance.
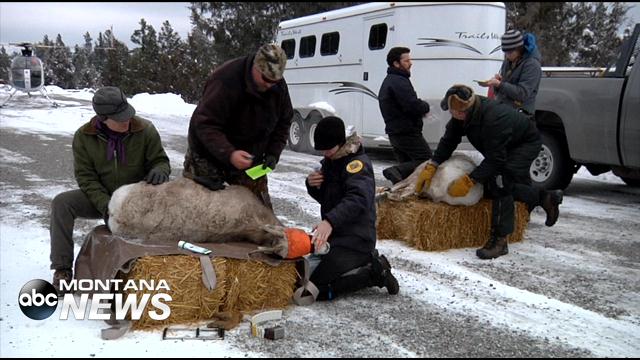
(114, 142)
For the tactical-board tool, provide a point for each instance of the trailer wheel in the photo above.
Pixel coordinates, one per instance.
(311, 125)
(296, 133)
(553, 168)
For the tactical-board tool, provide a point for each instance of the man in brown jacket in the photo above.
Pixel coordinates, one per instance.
(241, 121)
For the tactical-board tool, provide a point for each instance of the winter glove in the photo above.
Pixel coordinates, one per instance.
(424, 179)
(270, 161)
(209, 182)
(461, 186)
(156, 176)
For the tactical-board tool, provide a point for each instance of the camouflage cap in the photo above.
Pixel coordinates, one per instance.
(271, 61)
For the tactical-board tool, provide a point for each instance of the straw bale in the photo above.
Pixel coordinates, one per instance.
(431, 226)
(241, 286)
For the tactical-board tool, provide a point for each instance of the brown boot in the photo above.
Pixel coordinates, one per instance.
(496, 246)
(550, 201)
(58, 275)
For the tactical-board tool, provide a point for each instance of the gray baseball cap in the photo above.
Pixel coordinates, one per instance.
(111, 102)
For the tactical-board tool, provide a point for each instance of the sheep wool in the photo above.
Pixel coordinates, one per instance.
(447, 173)
(184, 210)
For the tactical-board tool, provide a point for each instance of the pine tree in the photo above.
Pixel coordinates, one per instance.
(570, 34)
(5, 65)
(61, 66)
(142, 63)
(172, 55)
(115, 56)
(196, 67)
(240, 28)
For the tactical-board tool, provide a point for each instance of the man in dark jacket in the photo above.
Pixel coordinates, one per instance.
(345, 189)
(402, 112)
(519, 78)
(114, 148)
(242, 120)
(509, 141)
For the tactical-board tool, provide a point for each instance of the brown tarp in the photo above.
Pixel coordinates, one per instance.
(103, 254)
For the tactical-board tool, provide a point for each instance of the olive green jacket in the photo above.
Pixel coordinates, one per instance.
(98, 177)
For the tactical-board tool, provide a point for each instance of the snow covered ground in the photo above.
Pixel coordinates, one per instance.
(572, 290)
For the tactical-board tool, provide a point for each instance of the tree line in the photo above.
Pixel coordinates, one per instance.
(568, 34)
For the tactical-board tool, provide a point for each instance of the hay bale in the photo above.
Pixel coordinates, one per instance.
(431, 226)
(241, 286)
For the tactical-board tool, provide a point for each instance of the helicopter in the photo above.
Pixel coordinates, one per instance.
(27, 73)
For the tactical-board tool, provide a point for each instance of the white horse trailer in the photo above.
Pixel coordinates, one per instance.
(337, 61)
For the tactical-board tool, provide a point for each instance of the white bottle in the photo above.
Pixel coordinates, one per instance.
(195, 248)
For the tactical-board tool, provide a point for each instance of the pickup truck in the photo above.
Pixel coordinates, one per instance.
(590, 117)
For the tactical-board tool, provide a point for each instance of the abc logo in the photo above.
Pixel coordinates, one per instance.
(38, 299)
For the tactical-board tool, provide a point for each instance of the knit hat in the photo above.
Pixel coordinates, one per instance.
(110, 102)
(329, 133)
(511, 40)
(459, 97)
(271, 61)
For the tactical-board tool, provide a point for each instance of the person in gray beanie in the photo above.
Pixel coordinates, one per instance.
(241, 121)
(519, 78)
(114, 148)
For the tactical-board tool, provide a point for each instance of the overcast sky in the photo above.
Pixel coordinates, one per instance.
(31, 21)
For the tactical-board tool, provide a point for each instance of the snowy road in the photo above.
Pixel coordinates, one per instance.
(572, 290)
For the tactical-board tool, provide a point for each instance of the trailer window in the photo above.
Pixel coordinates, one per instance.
(289, 47)
(377, 36)
(308, 46)
(329, 43)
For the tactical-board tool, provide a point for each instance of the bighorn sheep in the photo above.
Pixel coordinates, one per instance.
(184, 210)
(447, 172)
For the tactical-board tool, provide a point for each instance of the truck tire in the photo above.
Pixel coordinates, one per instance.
(296, 133)
(553, 168)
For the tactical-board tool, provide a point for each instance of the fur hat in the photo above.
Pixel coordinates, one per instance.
(459, 97)
(329, 133)
(110, 102)
(271, 61)
(511, 40)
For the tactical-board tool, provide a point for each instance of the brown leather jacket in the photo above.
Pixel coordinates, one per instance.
(233, 115)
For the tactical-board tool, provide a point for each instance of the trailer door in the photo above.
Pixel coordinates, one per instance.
(629, 118)
(378, 39)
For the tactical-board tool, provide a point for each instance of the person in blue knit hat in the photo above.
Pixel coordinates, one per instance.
(520, 73)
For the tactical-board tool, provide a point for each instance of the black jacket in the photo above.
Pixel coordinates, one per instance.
(347, 201)
(401, 109)
(493, 129)
(233, 115)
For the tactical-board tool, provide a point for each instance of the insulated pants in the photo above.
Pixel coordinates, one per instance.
(513, 183)
(341, 271)
(66, 207)
(410, 151)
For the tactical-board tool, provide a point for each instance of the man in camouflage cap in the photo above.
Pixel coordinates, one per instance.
(241, 121)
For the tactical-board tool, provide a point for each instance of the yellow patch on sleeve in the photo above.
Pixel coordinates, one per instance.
(355, 166)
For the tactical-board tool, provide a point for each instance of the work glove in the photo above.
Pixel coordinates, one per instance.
(461, 186)
(270, 161)
(424, 179)
(209, 182)
(156, 176)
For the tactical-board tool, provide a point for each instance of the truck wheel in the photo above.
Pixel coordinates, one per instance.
(631, 181)
(296, 133)
(552, 169)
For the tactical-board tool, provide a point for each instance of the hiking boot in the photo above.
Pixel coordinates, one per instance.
(388, 280)
(58, 275)
(496, 246)
(550, 201)
(392, 174)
